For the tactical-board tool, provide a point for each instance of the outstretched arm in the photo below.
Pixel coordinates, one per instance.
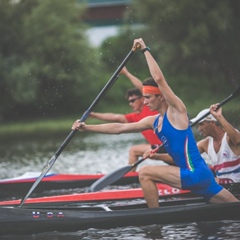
(110, 117)
(116, 128)
(135, 81)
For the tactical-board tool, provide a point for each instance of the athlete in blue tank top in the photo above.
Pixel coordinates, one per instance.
(181, 146)
(172, 127)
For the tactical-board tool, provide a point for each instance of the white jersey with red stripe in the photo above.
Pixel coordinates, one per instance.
(225, 163)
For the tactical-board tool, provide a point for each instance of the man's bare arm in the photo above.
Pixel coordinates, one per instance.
(110, 117)
(134, 80)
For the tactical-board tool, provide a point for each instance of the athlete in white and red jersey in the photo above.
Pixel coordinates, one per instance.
(221, 143)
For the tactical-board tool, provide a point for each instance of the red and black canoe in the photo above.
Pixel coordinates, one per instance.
(17, 187)
(165, 192)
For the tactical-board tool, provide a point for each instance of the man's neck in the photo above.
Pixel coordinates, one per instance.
(218, 134)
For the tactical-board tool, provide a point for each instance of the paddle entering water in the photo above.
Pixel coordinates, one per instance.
(110, 82)
(118, 173)
(115, 175)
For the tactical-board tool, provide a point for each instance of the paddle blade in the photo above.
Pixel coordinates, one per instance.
(109, 179)
(116, 174)
(46, 168)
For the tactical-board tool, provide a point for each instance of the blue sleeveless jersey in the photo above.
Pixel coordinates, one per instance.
(181, 146)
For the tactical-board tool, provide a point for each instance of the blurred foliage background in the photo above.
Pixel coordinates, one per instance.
(48, 68)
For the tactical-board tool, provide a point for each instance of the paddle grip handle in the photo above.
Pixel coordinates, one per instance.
(136, 46)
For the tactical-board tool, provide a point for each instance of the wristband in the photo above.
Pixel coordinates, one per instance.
(146, 49)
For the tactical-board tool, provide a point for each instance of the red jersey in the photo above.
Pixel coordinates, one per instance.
(149, 135)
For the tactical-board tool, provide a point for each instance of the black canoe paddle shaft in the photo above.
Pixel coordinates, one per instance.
(236, 93)
(111, 81)
(118, 173)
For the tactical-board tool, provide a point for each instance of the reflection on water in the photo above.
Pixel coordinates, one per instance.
(224, 230)
(84, 154)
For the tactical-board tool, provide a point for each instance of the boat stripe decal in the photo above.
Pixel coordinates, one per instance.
(188, 156)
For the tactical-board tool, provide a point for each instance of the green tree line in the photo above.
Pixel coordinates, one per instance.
(46, 61)
(48, 68)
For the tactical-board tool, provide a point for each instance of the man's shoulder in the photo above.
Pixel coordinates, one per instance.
(205, 141)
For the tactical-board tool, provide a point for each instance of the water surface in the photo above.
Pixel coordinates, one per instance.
(93, 153)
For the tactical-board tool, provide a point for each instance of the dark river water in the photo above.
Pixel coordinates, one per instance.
(93, 153)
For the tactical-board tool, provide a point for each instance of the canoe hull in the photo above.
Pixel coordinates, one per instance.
(28, 221)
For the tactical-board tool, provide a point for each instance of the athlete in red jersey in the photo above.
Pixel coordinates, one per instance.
(140, 111)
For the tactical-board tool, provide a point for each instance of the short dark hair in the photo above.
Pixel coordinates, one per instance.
(149, 82)
(133, 91)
